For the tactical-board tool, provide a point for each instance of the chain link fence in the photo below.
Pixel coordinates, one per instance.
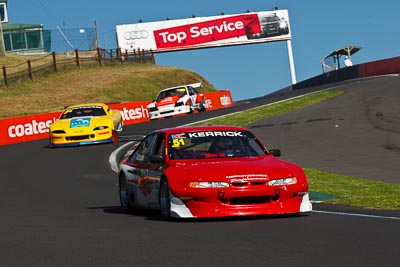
(65, 40)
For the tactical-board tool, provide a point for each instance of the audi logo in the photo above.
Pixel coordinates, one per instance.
(134, 35)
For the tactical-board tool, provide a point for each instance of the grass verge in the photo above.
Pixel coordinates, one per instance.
(354, 191)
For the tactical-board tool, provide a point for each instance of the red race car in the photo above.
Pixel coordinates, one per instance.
(209, 171)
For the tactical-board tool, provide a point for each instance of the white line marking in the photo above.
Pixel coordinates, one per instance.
(356, 214)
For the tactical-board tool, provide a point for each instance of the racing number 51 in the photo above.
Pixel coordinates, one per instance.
(178, 142)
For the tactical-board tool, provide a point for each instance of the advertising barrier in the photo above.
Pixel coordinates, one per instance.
(35, 127)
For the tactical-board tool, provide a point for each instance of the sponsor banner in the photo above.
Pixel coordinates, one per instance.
(217, 100)
(26, 128)
(133, 112)
(190, 33)
(35, 127)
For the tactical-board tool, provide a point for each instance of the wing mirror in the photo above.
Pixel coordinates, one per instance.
(275, 152)
(156, 158)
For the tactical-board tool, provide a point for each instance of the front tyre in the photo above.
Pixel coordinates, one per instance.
(191, 107)
(165, 199)
(119, 126)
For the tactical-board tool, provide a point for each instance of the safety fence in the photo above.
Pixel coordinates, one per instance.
(54, 62)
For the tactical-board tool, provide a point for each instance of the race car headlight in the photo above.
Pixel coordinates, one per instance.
(100, 128)
(208, 184)
(283, 181)
(178, 104)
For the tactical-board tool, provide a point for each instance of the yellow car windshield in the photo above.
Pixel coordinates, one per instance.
(93, 111)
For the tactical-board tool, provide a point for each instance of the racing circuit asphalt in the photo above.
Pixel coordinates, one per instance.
(59, 207)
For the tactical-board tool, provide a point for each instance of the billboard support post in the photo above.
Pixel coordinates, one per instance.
(291, 61)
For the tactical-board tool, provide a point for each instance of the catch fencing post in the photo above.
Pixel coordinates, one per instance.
(30, 70)
(119, 55)
(77, 58)
(99, 56)
(153, 59)
(139, 56)
(54, 61)
(5, 76)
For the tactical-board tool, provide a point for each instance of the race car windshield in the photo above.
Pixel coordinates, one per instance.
(179, 91)
(214, 144)
(94, 111)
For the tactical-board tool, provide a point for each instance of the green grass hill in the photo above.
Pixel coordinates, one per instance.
(122, 82)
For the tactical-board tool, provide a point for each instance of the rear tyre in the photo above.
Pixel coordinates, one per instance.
(165, 199)
(202, 106)
(124, 195)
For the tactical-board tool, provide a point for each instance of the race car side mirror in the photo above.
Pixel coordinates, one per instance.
(275, 152)
(156, 158)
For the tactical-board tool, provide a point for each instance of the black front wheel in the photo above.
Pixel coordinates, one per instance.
(165, 199)
(191, 108)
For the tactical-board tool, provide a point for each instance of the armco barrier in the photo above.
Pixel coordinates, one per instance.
(35, 127)
(374, 68)
(380, 67)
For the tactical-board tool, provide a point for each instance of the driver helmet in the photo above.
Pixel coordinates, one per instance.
(225, 145)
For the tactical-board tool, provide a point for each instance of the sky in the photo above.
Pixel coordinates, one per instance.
(248, 71)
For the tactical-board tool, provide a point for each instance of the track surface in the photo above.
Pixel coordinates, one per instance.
(357, 133)
(59, 207)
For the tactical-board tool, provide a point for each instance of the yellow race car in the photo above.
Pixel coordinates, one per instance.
(85, 124)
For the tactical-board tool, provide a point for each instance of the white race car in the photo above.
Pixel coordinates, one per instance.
(183, 99)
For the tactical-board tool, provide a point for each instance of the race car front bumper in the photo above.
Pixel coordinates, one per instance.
(168, 111)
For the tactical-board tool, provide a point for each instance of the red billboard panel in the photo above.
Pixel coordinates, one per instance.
(265, 26)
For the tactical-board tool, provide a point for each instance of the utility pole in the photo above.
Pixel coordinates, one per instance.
(97, 35)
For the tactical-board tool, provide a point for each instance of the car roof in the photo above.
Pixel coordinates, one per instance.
(171, 88)
(201, 129)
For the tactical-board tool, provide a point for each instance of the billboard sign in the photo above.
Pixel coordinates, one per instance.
(202, 32)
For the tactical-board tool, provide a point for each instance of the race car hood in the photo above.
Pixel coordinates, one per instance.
(249, 170)
(90, 122)
(167, 101)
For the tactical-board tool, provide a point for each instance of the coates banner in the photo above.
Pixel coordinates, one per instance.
(35, 127)
(201, 32)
